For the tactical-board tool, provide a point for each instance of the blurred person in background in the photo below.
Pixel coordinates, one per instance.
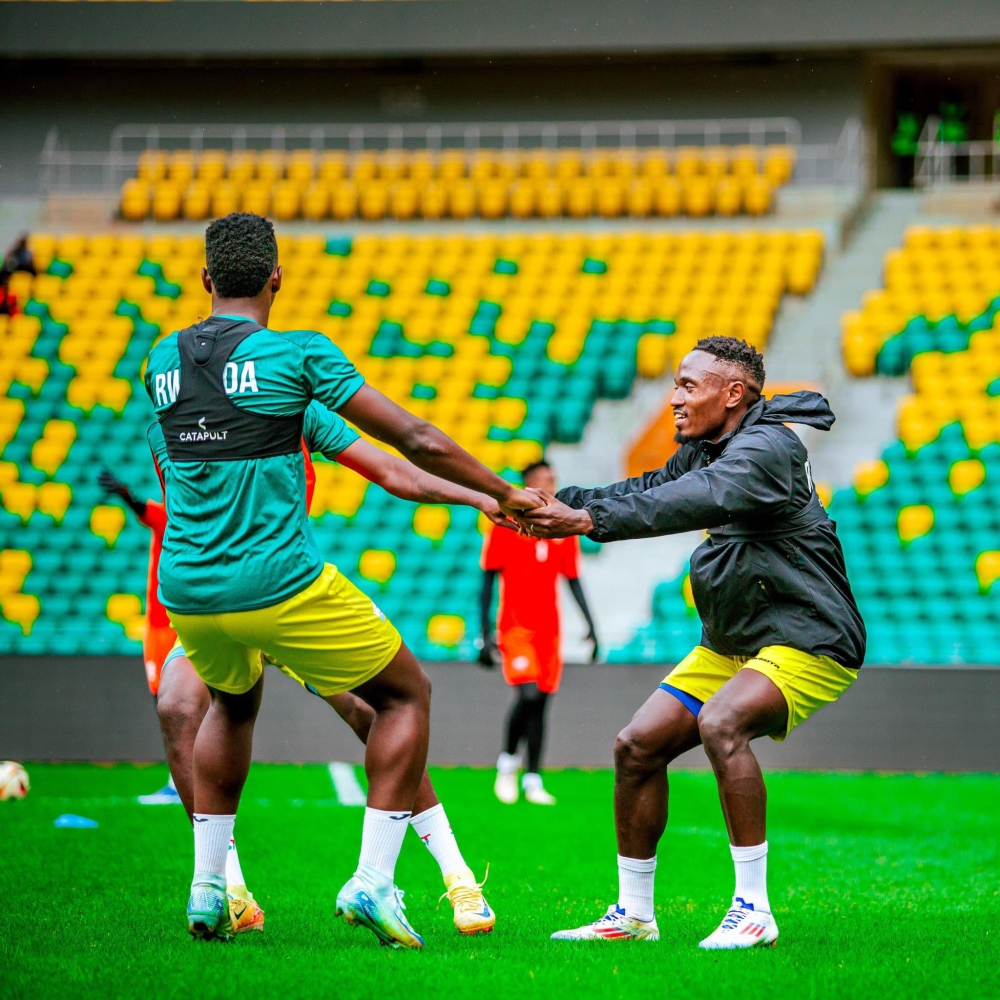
(529, 636)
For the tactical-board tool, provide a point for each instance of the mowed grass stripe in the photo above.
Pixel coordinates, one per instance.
(881, 885)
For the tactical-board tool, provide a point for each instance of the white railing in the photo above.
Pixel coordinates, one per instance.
(69, 171)
(938, 163)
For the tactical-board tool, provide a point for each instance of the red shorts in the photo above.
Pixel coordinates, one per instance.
(157, 641)
(531, 658)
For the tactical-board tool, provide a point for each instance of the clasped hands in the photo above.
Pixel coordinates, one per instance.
(539, 514)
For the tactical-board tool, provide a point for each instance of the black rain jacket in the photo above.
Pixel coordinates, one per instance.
(772, 570)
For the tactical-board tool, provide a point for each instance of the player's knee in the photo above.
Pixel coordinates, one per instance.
(178, 707)
(720, 730)
(633, 754)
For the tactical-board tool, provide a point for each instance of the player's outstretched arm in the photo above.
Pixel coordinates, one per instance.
(111, 484)
(406, 481)
(430, 449)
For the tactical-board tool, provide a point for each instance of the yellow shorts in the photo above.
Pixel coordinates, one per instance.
(808, 682)
(330, 635)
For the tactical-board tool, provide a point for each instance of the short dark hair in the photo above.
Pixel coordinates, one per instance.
(240, 253)
(534, 467)
(739, 354)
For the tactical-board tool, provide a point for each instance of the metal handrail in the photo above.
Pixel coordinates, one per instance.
(464, 135)
(935, 162)
(68, 171)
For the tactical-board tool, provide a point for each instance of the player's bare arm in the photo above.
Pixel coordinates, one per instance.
(406, 481)
(431, 449)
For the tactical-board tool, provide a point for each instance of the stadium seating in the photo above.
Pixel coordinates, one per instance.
(920, 526)
(505, 341)
(403, 185)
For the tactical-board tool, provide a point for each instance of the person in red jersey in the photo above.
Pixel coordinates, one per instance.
(529, 636)
(158, 637)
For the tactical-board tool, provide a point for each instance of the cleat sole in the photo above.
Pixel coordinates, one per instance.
(359, 920)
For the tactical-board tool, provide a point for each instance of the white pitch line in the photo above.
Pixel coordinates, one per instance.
(345, 784)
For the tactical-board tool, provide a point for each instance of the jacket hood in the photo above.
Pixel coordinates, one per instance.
(803, 407)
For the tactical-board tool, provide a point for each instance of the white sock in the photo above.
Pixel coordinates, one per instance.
(234, 874)
(434, 830)
(212, 834)
(531, 781)
(381, 840)
(508, 763)
(635, 887)
(751, 875)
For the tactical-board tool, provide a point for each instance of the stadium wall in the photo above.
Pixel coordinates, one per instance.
(482, 27)
(92, 708)
(86, 101)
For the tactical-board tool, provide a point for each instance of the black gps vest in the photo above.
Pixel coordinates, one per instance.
(204, 425)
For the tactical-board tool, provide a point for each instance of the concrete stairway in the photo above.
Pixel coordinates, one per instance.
(806, 342)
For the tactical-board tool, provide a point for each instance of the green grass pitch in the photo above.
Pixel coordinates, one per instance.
(883, 886)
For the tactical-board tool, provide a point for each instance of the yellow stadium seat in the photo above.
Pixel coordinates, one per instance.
(914, 522)
(316, 202)
(699, 196)
(461, 200)
(870, 476)
(135, 200)
(242, 168)
(377, 565)
(21, 609)
(15, 565)
(493, 199)
(639, 198)
(404, 201)
(522, 200)
(107, 522)
(668, 198)
(757, 196)
(285, 201)
(270, 165)
(779, 162)
(728, 196)
(257, 198)
(550, 200)
(18, 498)
(433, 201)
(610, 199)
(431, 521)
(966, 475)
(344, 201)
(166, 201)
(181, 168)
(446, 630)
(452, 165)
(211, 167)
(121, 608)
(374, 201)
(332, 168)
(197, 201)
(689, 161)
(54, 499)
(301, 167)
(745, 161)
(653, 354)
(152, 165)
(580, 198)
(987, 569)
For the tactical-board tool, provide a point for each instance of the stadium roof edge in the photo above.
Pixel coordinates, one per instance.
(467, 28)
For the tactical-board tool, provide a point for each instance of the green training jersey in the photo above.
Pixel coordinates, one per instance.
(237, 533)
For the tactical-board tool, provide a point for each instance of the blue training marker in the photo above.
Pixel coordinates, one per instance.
(70, 822)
